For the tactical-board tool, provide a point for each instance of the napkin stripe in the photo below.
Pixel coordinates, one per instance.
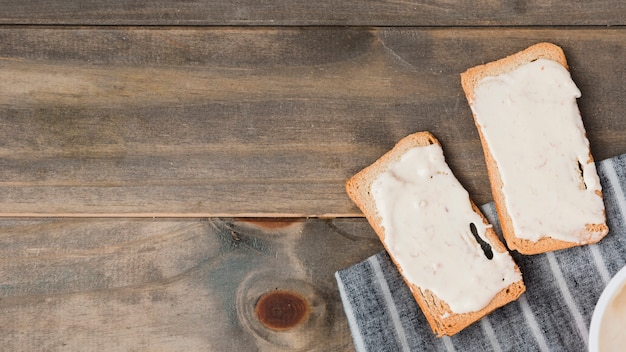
(611, 175)
(599, 263)
(393, 311)
(447, 342)
(357, 337)
(532, 323)
(491, 335)
(567, 297)
(614, 172)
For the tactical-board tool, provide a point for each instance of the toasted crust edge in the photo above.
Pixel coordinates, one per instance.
(473, 75)
(469, 79)
(433, 308)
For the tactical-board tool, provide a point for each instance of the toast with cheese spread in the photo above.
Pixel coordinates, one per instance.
(543, 178)
(448, 254)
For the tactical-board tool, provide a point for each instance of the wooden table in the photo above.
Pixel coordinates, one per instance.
(172, 171)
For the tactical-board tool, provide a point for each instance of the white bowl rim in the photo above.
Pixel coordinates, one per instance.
(609, 291)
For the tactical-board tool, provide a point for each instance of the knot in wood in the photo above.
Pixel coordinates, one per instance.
(281, 309)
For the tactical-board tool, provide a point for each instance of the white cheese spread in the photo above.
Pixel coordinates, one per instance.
(532, 126)
(426, 215)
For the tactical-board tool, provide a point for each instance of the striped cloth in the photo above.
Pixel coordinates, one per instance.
(553, 314)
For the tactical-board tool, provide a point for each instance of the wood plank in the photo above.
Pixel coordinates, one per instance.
(175, 285)
(265, 121)
(326, 12)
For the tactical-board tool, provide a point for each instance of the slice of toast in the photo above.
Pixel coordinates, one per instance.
(443, 320)
(498, 157)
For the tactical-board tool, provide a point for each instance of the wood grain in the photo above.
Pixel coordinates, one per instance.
(243, 122)
(307, 13)
(174, 285)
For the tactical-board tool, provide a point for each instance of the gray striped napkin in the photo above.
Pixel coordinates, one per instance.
(553, 314)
